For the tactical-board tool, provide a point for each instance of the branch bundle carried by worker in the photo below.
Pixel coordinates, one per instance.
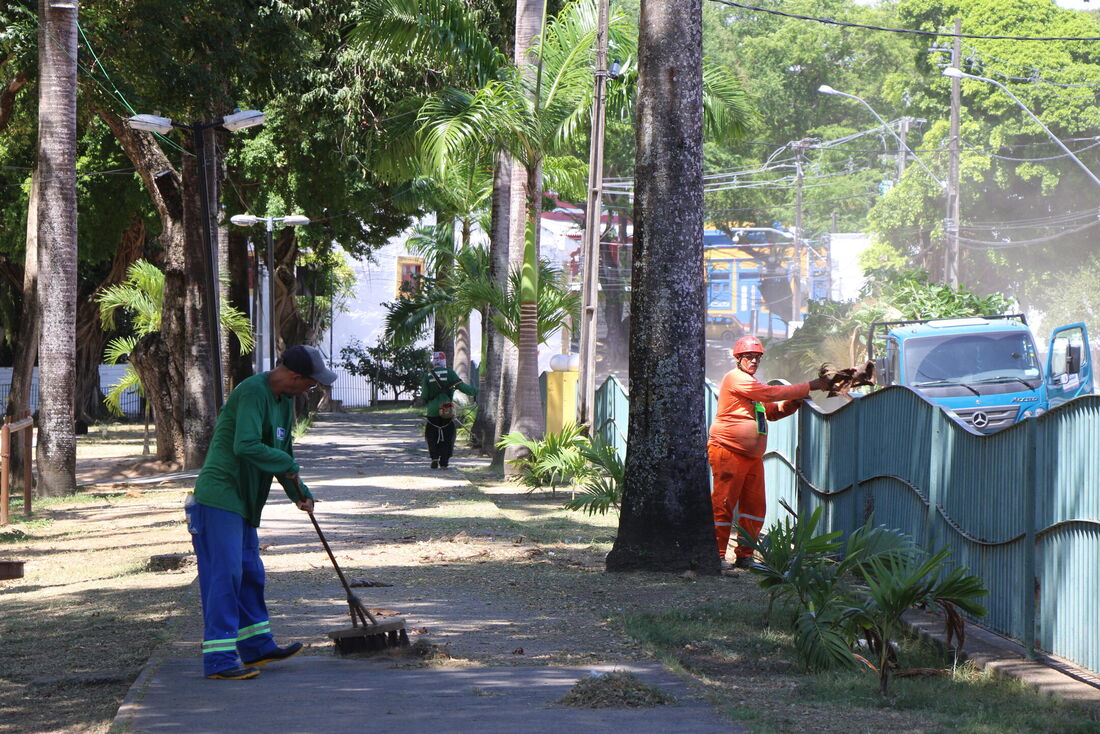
(738, 440)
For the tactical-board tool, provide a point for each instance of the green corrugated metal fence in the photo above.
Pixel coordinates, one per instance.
(1020, 508)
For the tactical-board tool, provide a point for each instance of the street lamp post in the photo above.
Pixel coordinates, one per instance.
(949, 221)
(247, 220)
(956, 73)
(826, 89)
(232, 123)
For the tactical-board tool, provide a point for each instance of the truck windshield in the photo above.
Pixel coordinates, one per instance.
(972, 358)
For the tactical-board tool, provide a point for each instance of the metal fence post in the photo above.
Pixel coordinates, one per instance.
(935, 475)
(1031, 477)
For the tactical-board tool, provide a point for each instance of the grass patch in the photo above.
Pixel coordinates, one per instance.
(617, 689)
(752, 672)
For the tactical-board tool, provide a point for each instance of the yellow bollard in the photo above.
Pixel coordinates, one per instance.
(561, 397)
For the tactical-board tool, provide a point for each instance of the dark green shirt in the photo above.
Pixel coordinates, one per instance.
(433, 396)
(252, 443)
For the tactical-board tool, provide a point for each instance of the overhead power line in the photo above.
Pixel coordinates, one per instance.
(909, 31)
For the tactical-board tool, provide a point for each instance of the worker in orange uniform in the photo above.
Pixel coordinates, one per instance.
(738, 440)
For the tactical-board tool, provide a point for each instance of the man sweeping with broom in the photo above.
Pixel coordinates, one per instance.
(252, 444)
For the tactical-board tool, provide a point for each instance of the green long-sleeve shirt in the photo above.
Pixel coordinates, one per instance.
(433, 396)
(252, 443)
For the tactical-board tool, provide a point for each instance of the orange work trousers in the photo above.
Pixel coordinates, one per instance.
(738, 483)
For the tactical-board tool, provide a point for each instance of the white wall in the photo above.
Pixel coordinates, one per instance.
(847, 275)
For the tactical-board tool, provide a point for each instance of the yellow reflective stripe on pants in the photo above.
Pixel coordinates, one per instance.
(226, 645)
(261, 628)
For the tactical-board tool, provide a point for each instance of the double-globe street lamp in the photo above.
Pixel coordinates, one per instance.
(956, 73)
(247, 220)
(232, 123)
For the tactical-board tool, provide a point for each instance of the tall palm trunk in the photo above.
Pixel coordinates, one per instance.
(57, 49)
(19, 399)
(462, 328)
(509, 367)
(485, 427)
(526, 415)
(665, 523)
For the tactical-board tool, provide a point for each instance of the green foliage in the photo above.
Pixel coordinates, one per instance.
(601, 487)
(141, 298)
(399, 367)
(553, 460)
(839, 590)
(592, 467)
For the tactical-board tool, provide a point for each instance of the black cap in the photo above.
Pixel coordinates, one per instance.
(309, 362)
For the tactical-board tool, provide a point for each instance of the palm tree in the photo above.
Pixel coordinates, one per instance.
(141, 297)
(57, 49)
(534, 111)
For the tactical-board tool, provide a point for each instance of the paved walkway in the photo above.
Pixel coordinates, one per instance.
(373, 465)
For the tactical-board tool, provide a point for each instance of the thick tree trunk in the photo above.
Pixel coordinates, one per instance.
(57, 50)
(485, 426)
(665, 523)
(183, 328)
(19, 398)
(159, 367)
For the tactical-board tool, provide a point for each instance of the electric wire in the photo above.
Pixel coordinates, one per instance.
(909, 31)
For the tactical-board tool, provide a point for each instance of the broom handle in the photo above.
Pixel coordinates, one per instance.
(353, 601)
(356, 606)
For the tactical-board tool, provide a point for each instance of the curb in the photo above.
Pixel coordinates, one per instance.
(1006, 658)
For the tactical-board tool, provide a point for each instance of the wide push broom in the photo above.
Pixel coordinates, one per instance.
(366, 634)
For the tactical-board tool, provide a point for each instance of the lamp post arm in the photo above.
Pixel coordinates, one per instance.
(1039, 122)
(897, 137)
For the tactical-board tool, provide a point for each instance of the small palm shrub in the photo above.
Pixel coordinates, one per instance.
(602, 486)
(141, 298)
(552, 461)
(838, 592)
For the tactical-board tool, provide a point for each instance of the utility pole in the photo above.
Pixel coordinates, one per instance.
(903, 155)
(593, 221)
(951, 224)
(796, 294)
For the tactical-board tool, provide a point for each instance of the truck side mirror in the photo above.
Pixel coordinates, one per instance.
(882, 371)
(1073, 359)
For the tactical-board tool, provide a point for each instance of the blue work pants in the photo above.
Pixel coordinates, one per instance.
(231, 582)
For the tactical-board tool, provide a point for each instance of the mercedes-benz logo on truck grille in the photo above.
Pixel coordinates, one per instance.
(979, 420)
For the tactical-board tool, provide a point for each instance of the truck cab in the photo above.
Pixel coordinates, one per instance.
(985, 370)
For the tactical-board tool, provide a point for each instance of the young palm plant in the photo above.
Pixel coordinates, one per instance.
(141, 297)
(896, 584)
(602, 487)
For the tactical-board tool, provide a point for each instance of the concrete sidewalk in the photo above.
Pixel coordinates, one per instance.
(374, 465)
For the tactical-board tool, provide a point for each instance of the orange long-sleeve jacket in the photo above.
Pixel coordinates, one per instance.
(736, 426)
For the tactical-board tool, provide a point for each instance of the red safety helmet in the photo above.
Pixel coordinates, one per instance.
(747, 344)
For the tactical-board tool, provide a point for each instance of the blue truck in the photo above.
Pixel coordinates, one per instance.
(985, 370)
